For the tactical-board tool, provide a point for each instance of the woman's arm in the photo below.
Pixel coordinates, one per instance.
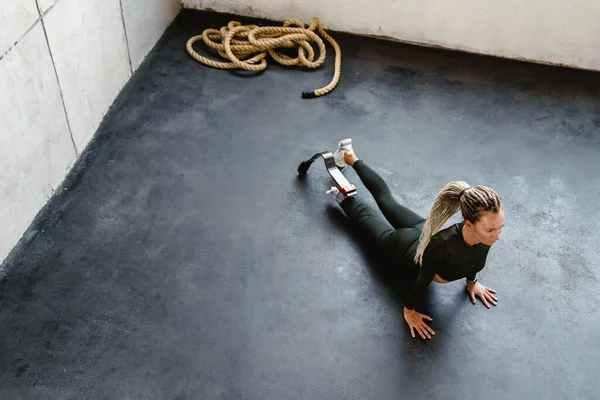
(433, 256)
(476, 289)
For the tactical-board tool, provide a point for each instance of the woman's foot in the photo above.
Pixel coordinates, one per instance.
(344, 154)
(337, 195)
(350, 158)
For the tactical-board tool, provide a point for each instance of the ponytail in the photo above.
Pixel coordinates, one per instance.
(446, 204)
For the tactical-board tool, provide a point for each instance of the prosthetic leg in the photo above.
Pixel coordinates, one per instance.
(345, 187)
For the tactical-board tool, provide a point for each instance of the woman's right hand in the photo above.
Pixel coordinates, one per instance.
(415, 322)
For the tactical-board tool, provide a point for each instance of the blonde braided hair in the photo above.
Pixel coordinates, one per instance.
(457, 195)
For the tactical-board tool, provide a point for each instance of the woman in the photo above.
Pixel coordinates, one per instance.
(441, 256)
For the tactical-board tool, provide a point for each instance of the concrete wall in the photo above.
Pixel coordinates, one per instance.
(564, 32)
(62, 64)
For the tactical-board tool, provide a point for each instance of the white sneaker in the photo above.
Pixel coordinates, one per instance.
(344, 146)
(336, 194)
(333, 191)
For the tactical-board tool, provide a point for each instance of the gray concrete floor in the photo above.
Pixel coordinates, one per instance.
(184, 259)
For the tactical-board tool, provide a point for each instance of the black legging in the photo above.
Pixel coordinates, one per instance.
(399, 240)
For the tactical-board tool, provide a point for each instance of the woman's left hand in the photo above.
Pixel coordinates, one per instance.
(485, 293)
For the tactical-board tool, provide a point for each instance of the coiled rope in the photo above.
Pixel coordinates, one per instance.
(246, 47)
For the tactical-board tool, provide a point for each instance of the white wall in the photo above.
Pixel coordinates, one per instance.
(562, 32)
(62, 64)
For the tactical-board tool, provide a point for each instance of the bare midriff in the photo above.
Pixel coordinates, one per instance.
(436, 278)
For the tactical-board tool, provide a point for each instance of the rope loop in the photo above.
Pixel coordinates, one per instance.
(247, 46)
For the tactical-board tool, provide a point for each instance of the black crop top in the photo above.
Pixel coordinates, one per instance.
(449, 256)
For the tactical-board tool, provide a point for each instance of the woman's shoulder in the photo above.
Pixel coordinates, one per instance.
(449, 233)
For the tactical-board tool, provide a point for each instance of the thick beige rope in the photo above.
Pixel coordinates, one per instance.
(246, 47)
